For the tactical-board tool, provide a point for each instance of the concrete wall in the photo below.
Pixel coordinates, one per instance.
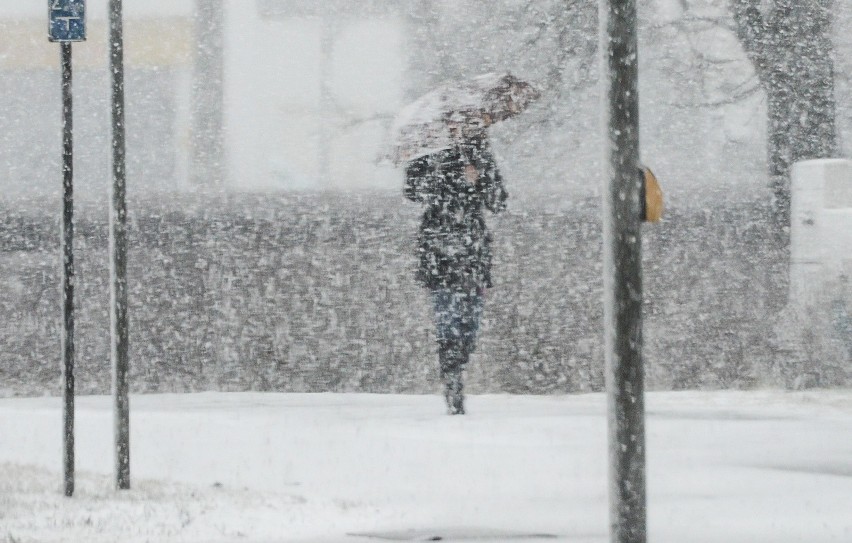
(821, 227)
(817, 320)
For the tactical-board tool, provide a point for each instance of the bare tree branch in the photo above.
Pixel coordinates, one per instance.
(735, 98)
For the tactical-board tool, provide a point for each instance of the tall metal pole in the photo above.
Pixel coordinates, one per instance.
(623, 271)
(67, 242)
(118, 248)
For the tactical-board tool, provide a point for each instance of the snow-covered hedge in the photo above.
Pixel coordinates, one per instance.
(316, 293)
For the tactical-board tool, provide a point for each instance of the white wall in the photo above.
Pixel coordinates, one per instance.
(821, 228)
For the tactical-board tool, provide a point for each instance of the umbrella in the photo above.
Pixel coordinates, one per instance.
(429, 123)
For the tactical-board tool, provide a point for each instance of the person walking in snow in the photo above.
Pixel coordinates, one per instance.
(457, 185)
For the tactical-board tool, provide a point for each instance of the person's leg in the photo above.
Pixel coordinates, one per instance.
(452, 377)
(470, 316)
(466, 314)
(451, 349)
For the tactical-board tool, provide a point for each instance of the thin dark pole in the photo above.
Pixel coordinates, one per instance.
(67, 242)
(118, 248)
(623, 272)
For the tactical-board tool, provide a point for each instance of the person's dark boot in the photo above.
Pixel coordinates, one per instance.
(451, 363)
(453, 394)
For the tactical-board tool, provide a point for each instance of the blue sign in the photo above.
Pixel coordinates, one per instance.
(66, 20)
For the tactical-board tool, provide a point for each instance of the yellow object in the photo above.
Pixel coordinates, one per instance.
(653, 197)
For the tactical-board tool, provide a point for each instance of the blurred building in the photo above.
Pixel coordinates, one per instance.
(307, 99)
(158, 57)
(310, 90)
(307, 90)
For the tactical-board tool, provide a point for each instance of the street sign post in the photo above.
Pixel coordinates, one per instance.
(66, 24)
(66, 20)
(67, 242)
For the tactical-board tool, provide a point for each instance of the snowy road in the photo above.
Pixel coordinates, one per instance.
(723, 467)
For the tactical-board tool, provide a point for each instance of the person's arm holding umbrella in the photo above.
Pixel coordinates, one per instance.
(481, 169)
(489, 182)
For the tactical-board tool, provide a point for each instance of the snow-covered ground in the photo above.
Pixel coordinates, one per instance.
(723, 467)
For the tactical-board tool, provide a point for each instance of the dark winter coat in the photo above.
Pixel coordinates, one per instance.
(454, 245)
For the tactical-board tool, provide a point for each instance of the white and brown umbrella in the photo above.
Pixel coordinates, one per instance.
(427, 124)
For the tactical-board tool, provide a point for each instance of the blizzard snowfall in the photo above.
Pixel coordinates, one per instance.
(723, 467)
